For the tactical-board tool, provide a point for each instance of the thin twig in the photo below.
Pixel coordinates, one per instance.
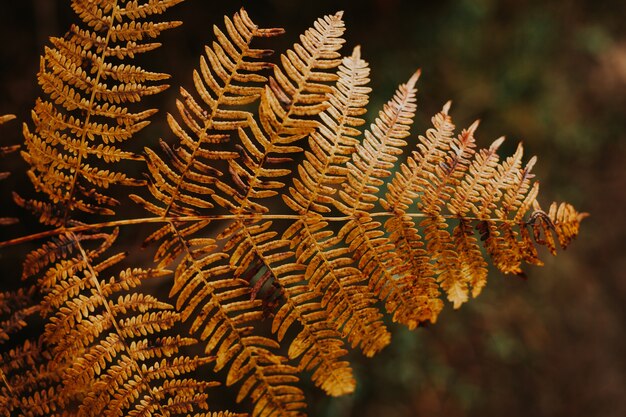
(220, 217)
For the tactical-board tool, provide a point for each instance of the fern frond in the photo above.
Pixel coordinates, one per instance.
(115, 362)
(334, 141)
(295, 94)
(230, 75)
(316, 272)
(319, 342)
(329, 273)
(85, 114)
(347, 301)
(446, 179)
(409, 301)
(266, 378)
(210, 293)
(566, 221)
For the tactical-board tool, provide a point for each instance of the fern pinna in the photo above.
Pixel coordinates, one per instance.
(275, 206)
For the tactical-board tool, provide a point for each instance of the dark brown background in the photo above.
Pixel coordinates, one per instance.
(552, 74)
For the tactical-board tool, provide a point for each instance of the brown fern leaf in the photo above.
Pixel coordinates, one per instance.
(445, 176)
(230, 75)
(510, 186)
(215, 302)
(293, 96)
(109, 348)
(374, 252)
(116, 358)
(202, 277)
(329, 273)
(566, 221)
(447, 179)
(319, 342)
(437, 174)
(333, 142)
(84, 116)
(218, 284)
(562, 220)
(473, 186)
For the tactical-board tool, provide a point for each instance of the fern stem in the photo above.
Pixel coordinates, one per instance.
(225, 217)
(6, 382)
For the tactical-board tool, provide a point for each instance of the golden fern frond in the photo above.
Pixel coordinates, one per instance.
(317, 271)
(230, 75)
(566, 221)
(509, 187)
(84, 115)
(109, 338)
(346, 300)
(398, 199)
(447, 179)
(319, 344)
(443, 173)
(410, 302)
(218, 284)
(334, 141)
(295, 94)
(375, 156)
(214, 300)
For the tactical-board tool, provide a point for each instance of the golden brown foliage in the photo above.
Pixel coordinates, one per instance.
(88, 82)
(256, 228)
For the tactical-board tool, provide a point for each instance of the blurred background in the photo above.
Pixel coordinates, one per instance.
(552, 74)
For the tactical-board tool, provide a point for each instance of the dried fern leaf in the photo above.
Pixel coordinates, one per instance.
(108, 348)
(295, 94)
(376, 255)
(222, 312)
(230, 75)
(203, 276)
(77, 125)
(319, 344)
(111, 340)
(447, 179)
(334, 140)
(566, 221)
(329, 273)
